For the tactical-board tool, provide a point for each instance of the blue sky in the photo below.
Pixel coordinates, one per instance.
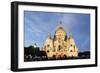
(37, 25)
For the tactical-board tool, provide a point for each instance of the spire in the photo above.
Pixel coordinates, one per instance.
(60, 26)
(61, 22)
(71, 36)
(49, 35)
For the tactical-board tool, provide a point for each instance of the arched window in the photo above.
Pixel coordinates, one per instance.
(71, 45)
(71, 50)
(48, 45)
(47, 51)
(59, 48)
(54, 56)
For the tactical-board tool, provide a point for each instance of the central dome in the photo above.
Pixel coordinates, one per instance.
(60, 32)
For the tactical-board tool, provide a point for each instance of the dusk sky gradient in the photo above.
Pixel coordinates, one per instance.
(37, 26)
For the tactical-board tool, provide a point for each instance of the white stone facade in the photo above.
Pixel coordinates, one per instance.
(60, 46)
